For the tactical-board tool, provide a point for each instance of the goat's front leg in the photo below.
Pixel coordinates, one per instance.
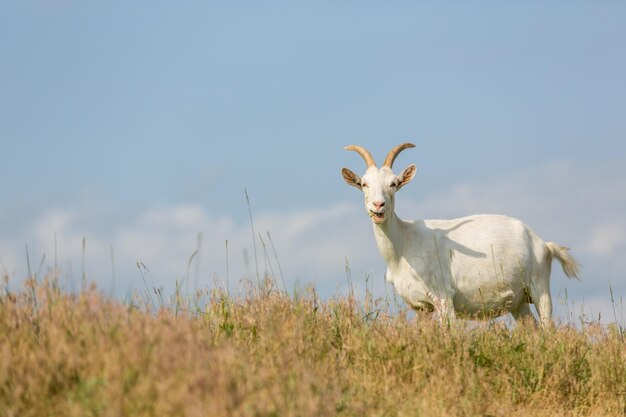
(444, 307)
(445, 310)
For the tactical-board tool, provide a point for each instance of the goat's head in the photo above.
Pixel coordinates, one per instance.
(379, 185)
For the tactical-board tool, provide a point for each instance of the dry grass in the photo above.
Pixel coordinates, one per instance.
(268, 354)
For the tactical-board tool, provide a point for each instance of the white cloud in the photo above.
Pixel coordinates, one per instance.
(8, 258)
(51, 222)
(607, 238)
(311, 245)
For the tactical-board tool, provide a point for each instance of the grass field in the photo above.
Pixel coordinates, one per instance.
(265, 353)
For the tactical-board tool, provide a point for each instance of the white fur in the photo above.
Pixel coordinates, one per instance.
(478, 266)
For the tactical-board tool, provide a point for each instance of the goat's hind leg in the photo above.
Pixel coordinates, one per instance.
(523, 314)
(540, 295)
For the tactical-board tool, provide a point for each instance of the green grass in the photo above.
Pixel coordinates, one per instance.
(266, 353)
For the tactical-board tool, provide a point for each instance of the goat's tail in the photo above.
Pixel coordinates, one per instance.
(569, 264)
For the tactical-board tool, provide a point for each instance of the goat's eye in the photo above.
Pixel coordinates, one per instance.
(364, 185)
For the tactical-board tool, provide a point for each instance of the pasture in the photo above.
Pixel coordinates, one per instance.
(262, 352)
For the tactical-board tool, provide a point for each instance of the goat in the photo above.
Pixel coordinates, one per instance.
(479, 266)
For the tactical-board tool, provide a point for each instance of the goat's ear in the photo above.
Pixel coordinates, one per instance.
(351, 178)
(404, 177)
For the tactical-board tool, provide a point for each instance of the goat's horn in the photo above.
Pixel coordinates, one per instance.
(364, 153)
(391, 156)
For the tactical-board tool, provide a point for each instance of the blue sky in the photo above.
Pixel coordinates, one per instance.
(139, 124)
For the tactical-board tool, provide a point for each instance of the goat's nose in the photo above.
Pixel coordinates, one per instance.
(379, 204)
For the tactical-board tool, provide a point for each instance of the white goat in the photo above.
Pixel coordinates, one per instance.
(477, 267)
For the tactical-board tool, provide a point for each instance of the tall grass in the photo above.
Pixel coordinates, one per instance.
(267, 353)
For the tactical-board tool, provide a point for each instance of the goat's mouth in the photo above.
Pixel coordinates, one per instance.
(377, 216)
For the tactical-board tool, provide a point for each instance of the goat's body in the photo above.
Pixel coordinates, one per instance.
(477, 266)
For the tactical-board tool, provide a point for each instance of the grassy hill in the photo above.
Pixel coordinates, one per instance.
(265, 353)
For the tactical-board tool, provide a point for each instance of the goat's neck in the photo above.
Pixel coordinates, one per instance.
(390, 239)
